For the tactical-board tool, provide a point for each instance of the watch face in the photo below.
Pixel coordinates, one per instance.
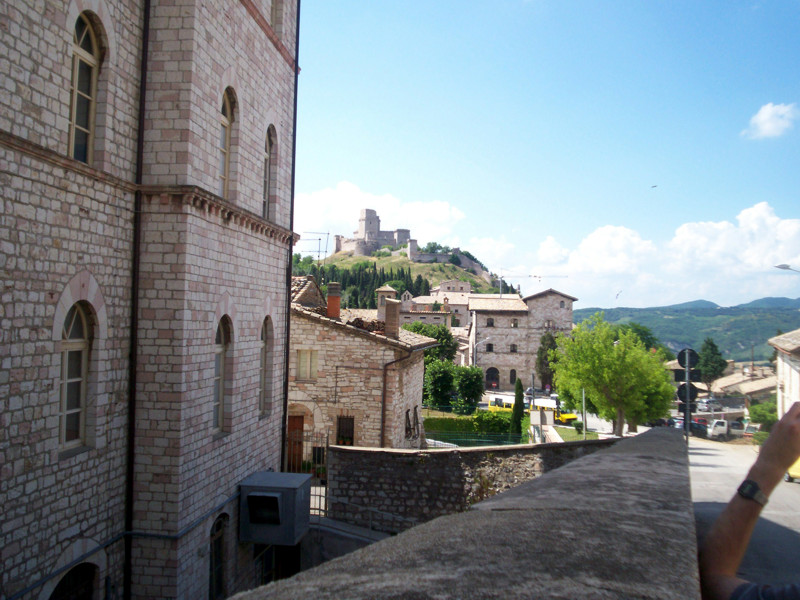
(748, 489)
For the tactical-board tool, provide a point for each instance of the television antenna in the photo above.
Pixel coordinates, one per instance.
(319, 251)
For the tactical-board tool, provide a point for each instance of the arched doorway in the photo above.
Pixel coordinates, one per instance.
(492, 378)
(77, 584)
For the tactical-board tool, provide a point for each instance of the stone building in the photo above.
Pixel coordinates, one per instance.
(505, 332)
(146, 237)
(787, 369)
(368, 237)
(356, 382)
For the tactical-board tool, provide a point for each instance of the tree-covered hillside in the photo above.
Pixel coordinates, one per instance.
(736, 330)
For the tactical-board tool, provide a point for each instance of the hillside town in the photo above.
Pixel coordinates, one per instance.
(184, 417)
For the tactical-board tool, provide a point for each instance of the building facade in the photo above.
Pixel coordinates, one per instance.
(505, 333)
(787, 369)
(143, 242)
(356, 383)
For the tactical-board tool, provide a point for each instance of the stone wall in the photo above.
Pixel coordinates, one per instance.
(616, 524)
(421, 485)
(349, 381)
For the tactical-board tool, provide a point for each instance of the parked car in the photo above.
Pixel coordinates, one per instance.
(698, 429)
(677, 423)
(657, 423)
(793, 472)
(702, 421)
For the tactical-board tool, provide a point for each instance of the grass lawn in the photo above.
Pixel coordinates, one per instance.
(568, 434)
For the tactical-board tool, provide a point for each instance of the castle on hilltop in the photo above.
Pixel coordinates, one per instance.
(368, 237)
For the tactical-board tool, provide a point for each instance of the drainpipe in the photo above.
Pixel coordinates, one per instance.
(285, 417)
(127, 570)
(383, 395)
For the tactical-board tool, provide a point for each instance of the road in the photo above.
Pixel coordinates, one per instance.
(716, 469)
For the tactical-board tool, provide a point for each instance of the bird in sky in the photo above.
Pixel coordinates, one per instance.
(653, 186)
(617, 296)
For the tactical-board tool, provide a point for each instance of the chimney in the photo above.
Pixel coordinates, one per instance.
(334, 299)
(392, 327)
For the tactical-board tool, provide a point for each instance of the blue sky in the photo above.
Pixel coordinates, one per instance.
(635, 153)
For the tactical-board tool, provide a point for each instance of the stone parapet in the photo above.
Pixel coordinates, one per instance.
(616, 524)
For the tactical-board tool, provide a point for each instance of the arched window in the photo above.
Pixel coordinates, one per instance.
(265, 395)
(221, 355)
(77, 584)
(514, 323)
(83, 90)
(216, 571)
(562, 304)
(74, 377)
(512, 377)
(490, 322)
(512, 349)
(225, 127)
(270, 170)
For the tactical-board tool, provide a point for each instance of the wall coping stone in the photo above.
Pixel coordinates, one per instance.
(618, 523)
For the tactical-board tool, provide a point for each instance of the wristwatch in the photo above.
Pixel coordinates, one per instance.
(750, 490)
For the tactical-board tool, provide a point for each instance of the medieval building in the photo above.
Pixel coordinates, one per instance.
(147, 152)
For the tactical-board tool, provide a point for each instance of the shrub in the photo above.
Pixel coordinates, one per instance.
(578, 425)
(759, 437)
(765, 413)
(491, 422)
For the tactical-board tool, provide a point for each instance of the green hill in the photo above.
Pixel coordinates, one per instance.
(435, 273)
(736, 330)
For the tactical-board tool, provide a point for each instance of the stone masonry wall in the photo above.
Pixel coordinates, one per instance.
(422, 485)
(349, 382)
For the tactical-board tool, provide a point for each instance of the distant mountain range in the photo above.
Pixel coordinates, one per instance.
(737, 330)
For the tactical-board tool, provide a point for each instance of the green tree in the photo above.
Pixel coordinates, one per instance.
(711, 364)
(646, 335)
(547, 343)
(518, 412)
(623, 379)
(438, 384)
(446, 350)
(765, 413)
(468, 382)
(397, 284)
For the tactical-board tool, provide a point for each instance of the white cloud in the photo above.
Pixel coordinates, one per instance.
(727, 261)
(337, 210)
(771, 120)
(722, 261)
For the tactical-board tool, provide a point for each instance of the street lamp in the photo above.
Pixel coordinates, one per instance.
(475, 350)
(786, 267)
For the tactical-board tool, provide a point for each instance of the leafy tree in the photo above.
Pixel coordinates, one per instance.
(622, 380)
(519, 409)
(468, 383)
(436, 306)
(446, 350)
(547, 343)
(455, 260)
(765, 413)
(397, 284)
(438, 384)
(646, 335)
(711, 364)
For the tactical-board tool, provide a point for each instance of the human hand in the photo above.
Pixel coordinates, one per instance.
(780, 451)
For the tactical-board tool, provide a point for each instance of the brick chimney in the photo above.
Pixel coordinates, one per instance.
(334, 299)
(392, 318)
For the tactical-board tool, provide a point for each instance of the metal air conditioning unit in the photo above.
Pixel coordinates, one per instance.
(274, 508)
